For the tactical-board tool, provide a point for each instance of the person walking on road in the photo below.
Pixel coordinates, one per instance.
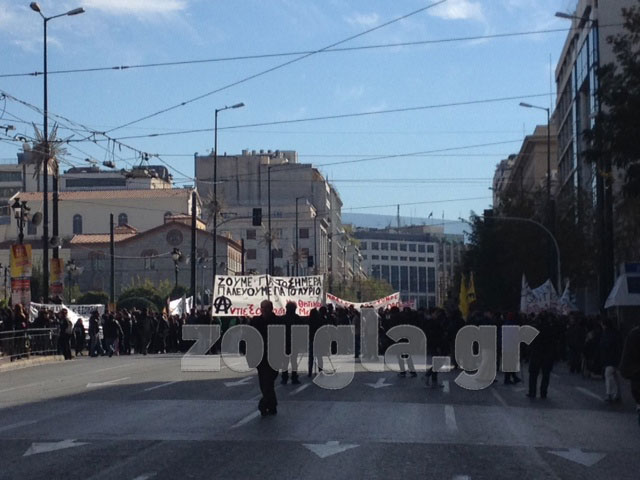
(66, 332)
(541, 357)
(79, 336)
(290, 319)
(610, 353)
(266, 374)
(630, 365)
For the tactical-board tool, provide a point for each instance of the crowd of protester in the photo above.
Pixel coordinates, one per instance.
(591, 346)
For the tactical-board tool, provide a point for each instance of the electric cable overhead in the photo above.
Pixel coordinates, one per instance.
(472, 38)
(277, 67)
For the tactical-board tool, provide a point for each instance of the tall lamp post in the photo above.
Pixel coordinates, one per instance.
(71, 270)
(549, 212)
(45, 207)
(176, 255)
(20, 211)
(297, 257)
(215, 188)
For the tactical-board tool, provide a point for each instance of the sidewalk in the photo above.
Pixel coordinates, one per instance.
(7, 365)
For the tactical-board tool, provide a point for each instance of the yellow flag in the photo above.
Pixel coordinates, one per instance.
(464, 304)
(471, 292)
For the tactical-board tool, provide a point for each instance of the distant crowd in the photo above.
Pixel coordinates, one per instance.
(592, 346)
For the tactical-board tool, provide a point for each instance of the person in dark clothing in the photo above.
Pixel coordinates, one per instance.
(542, 355)
(66, 332)
(95, 347)
(266, 374)
(290, 318)
(610, 353)
(576, 334)
(630, 364)
(315, 322)
(79, 334)
(145, 327)
(125, 323)
(112, 331)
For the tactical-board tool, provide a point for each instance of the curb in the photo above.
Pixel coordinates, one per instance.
(31, 362)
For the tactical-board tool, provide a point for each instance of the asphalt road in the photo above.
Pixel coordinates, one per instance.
(141, 418)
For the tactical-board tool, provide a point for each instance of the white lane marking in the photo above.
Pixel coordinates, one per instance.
(58, 379)
(588, 459)
(20, 386)
(379, 384)
(446, 388)
(588, 393)
(109, 382)
(17, 425)
(36, 448)
(300, 388)
(450, 418)
(238, 383)
(145, 476)
(462, 477)
(246, 419)
(499, 398)
(332, 447)
(159, 386)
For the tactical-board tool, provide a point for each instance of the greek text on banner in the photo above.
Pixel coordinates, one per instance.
(241, 295)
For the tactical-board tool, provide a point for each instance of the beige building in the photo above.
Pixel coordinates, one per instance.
(244, 183)
(141, 256)
(86, 212)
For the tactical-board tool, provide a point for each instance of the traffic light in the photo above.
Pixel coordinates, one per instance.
(257, 217)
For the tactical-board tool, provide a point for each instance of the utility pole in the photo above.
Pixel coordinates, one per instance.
(193, 245)
(112, 261)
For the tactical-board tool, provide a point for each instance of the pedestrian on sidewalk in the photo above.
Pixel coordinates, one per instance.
(610, 353)
(66, 332)
(630, 365)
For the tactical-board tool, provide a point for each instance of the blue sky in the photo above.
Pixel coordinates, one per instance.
(454, 179)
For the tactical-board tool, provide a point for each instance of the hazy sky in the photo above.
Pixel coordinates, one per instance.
(455, 147)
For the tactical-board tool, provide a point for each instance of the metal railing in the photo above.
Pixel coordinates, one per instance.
(16, 344)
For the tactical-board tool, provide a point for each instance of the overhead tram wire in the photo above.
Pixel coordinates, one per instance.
(277, 67)
(341, 116)
(302, 52)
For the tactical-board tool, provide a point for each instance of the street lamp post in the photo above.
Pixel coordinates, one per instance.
(297, 240)
(45, 193)
(176, 255)
(20, 211)
(71, 270)
(215, 187)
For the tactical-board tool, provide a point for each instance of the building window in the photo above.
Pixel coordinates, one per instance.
(277, 253)
(384, 257)
(385, 273)
(412, 259)
(394, 259)
(404, 279)
(412, 247)
(303, 233)
(364, 257)
(395, 277)
(123, 219)
(421, 248)
(363, 245)
(384, 246)
(251, 254)
(77, 224)
(403, 247)
(375, 271)
(430, 249)
(394, 246)
(148, 259)
(97, 261)
(375, 257)
(374, 246)
(431, 260)
(413, 279)
(403, 259)
(251, 234)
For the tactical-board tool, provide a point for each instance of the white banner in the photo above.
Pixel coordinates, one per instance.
(392, 300)
(240, 295)
(73, 311)
(545, 299)
(180, 306)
